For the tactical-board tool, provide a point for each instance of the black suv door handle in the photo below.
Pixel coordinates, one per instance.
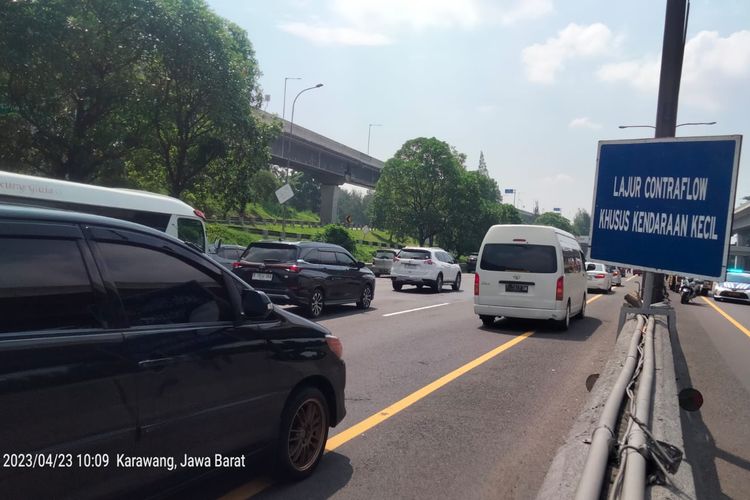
(156, 363)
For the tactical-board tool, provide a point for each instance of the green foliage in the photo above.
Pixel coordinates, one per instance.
(306, 192)
(355, 204)
(153, 94)
(417, 189)
(581, 223)
(555, 220)
(229, 236)
(338, 235)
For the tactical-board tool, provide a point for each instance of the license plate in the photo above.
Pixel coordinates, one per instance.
(516, 288)
(262, 276)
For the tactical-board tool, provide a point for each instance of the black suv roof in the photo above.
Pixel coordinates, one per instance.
(302, 244)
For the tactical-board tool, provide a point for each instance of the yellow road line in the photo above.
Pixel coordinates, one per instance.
(727, 316)
(595, 297)
(386, 413)
(255, 487)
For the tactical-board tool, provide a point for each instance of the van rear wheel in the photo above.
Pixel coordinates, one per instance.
(564, 323)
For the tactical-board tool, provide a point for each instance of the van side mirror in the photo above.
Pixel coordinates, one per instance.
(256, 305)
(360, 264)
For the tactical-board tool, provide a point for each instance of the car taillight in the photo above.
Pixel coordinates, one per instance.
(559, 289)
(428, 262)
(616, 273)
(200, 214)
(237, 264)
(334, 343)
(600, 276)
(294, 268)
(476, 284)
(396, 259)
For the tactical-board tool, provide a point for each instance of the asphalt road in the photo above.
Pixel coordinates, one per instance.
(440, 406)
(712, 354)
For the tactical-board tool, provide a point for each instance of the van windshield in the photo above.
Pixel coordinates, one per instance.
(519, 258)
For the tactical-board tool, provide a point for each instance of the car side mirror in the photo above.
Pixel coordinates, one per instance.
(256, 305)
(360, 264)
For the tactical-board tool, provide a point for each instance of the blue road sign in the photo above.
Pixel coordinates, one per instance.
(666, 205)
(510, 191)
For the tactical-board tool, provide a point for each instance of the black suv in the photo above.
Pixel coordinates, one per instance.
(308, 274)
(121, 346)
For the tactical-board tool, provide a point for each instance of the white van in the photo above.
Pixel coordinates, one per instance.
(161, 212)
(534, 272)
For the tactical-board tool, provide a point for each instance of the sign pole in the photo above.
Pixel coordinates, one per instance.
(673, 48)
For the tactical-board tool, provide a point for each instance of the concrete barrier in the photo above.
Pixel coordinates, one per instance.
(562, 477)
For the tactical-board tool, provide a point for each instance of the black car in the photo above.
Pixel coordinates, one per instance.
(471, 262)
(130, 362)
(308, 274)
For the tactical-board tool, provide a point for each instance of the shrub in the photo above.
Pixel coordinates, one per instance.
(338, 235)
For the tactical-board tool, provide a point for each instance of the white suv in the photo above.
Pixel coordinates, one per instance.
(425, 266)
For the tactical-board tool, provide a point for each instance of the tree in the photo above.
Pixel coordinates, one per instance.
(203, 84)
(416, 191)
(581, 223)
(482, 168)
(69, 70)
(338, 235)
(306, 192)
(555, 220)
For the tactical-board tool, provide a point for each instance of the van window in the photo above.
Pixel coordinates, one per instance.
(191, 230)
(572, 261)
(44, 285)
(519, 258)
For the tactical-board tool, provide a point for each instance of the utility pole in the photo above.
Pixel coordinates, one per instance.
(673, 49)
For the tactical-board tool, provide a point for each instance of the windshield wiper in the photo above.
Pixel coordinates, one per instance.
(193, 245)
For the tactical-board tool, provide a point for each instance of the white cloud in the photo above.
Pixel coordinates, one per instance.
(544, 61)
(376, 22)
(712, 65)
(486, 109)
(324, 35)
(584, 122)
(558, 179)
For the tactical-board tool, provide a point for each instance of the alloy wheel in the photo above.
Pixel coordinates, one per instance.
(306, 434)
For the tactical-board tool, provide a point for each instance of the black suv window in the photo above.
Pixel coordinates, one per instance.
(327, 257)
(157, 288)
(44, 285)
(345, 260)
(262, 252)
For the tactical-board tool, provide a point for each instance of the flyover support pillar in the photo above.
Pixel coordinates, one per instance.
(329, 198)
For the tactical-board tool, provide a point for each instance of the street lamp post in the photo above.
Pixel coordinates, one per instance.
(369, 130)
(283, 106)
(291, 133)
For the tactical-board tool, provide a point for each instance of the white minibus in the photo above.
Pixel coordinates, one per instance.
(534, 272)
(158, 211)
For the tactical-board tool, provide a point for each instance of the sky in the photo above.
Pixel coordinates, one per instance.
(534, 84)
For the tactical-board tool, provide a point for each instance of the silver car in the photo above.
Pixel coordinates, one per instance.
(383, 261)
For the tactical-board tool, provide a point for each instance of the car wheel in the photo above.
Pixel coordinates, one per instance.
(397, 286)
(564, 323)
(487, 320)
(303, 434)
(457, 284)
(582, 313)
(438, 286)
(316, 304)
(377, 275)
(365, 299)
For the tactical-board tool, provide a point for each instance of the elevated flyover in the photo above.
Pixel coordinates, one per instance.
(739, 255)
(330, 162)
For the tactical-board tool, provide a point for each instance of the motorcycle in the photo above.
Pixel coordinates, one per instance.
(689, 289)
